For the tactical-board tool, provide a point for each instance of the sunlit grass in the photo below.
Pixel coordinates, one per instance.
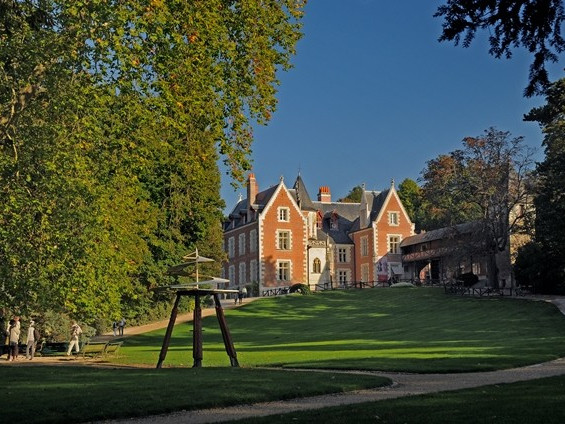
(421, 330)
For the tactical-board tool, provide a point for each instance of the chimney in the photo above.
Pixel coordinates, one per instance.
(324, 195)
(252, 189)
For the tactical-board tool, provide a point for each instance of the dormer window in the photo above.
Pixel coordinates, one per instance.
(334, 222)
(284, 214)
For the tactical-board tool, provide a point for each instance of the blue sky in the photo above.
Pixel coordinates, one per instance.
(373, 95)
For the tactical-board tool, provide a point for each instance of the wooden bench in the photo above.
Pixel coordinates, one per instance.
(93, 349)
(52, 348)
(112, 348)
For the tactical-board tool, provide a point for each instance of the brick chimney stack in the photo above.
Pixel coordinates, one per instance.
(324, 195)
(252, 189)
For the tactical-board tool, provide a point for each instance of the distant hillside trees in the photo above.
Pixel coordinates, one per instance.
(113, 117)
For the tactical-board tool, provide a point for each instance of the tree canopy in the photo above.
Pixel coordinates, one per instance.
(486, 181)
(550, 198)
(532, 24)
(113, 116)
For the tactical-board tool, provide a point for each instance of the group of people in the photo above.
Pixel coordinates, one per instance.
(11, 338)
(118, 327)
(241, 293)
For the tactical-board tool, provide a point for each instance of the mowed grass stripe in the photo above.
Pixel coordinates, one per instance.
(416, 330)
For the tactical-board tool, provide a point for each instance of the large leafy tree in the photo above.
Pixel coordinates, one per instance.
(410, 194)
(550, 200)
(532, 24)
(486, 181)
(113, 116)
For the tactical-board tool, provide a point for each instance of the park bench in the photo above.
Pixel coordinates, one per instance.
(93, 349)
(52, 348)
(96, 349)
(112, 348)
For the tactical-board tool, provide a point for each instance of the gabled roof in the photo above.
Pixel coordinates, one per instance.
(375, 200)
(301, 195)
(236, 215)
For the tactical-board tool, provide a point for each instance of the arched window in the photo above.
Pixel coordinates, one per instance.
(317, 268)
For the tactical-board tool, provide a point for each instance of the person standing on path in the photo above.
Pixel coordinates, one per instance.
(14, 338)
(115, 328)
(31, 341)
(76, 331)
(121, 325)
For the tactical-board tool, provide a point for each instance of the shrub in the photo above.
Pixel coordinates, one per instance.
(300, 288)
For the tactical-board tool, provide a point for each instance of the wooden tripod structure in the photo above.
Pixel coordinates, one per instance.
(194, 290)
(197, 293)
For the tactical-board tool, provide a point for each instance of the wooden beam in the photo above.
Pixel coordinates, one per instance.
(230, 349)
(197, 333)
(169, 332)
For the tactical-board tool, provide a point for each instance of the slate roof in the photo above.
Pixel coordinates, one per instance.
(441, 233)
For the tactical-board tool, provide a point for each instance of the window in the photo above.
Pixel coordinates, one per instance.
(284, 214)
(253, 241)
(393, 218)
(283, 240)
(253, 271)
(394, 244)
(342, 276)
(317, 266)
(241, 244)
(231, 247)
(364, 246)
(365, 273)
(342, 255)
(283, 270)
(231, 274)
(242, 273)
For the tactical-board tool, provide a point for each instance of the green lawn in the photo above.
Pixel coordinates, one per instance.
(537, 401)
(53, 394)
(417, 330)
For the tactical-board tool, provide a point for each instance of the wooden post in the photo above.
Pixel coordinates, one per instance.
(230, 349)
(169, 332)
(197, 333)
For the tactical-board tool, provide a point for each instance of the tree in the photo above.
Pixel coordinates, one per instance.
(354, 195)
(113, 116)
(486, 181)
(410, 194)
(550, 198)
(532, 24)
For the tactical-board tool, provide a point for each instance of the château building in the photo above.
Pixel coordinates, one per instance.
(279, 236)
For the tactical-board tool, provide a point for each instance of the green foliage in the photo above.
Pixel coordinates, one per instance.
(354, 195)
(113, 118)
(303, 289)
(532, 24)
(410, 194)
(550, 199)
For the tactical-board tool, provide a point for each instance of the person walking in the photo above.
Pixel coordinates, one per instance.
(115, 328)
(76, 331)
(239, 295)
(121, 325)
(14, 334)
(32, 340)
